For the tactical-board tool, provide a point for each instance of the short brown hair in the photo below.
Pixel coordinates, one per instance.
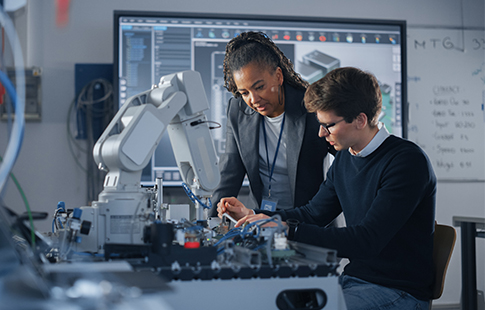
(347, 92)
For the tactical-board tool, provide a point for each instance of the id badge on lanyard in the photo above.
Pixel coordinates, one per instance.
(269, 203)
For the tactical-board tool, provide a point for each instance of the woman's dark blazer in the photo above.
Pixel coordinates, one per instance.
(305, 152)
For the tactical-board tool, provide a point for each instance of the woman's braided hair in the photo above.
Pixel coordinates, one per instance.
(257, 47)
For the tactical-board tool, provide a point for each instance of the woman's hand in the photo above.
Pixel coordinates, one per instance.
(233, 207)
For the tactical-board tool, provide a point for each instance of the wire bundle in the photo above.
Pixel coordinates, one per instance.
(17, 97)
(98, 113)
(251, 230)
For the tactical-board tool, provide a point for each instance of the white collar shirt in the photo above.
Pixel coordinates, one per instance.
(378, 139)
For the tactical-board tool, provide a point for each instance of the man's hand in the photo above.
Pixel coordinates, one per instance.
(233, 207)
(253, 218)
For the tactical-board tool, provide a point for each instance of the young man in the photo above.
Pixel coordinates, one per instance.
(385, 187)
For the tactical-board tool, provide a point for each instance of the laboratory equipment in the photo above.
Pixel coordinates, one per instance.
(123, 208)
(128, 224)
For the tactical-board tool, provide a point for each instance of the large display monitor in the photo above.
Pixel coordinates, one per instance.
(149, 45)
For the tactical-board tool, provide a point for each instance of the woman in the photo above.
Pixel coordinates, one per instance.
(271, 137)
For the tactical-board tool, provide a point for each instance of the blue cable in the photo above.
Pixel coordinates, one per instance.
(244, 233)
(60, 223)
(194, 198)
(231, 234)
(246, 228)
(61, 206)
(17, 134)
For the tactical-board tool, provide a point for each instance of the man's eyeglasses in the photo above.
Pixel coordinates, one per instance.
(326, 127)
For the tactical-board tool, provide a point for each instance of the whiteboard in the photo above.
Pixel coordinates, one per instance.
(446, 96)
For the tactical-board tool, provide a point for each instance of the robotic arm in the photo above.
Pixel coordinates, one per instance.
(177, 103)
(126, 146)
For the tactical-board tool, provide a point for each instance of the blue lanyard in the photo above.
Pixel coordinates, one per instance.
(276, 153)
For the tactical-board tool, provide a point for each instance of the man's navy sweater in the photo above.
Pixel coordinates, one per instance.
(388, 199)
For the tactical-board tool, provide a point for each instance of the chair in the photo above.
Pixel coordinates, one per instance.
(444, 242)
